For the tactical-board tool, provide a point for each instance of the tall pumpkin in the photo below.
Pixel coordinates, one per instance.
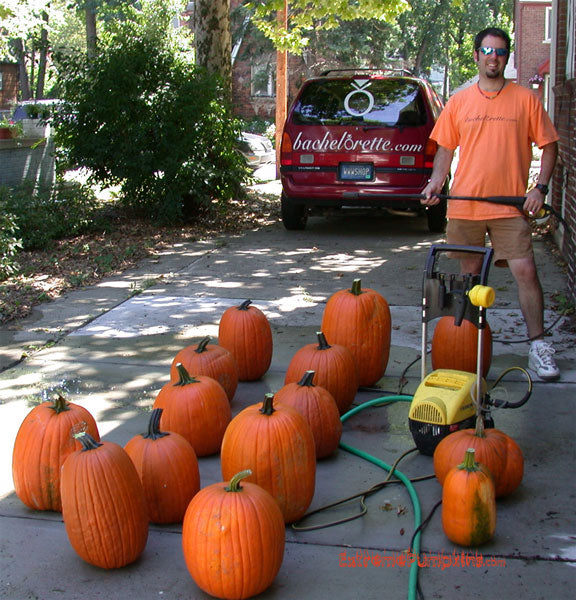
(245, 331)
(103, 504)
(168, 469)
(197, 408)
(456, 347)
(316, 404)
(360, 320)
(334, 367)
(468, 503)
(233, 538)
(208, 359)
(496, 450)
(43, 442)
(276, 444)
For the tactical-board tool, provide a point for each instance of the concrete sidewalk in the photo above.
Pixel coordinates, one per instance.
(110, 349)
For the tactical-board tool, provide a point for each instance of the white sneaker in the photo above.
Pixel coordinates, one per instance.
(541, 361)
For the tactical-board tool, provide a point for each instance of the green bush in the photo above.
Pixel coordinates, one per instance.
(143, 117)
(46, 214)
(10, 244)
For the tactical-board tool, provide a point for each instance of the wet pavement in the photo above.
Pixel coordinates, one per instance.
(109, 348)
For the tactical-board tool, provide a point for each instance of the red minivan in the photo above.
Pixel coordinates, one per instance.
(359, 139)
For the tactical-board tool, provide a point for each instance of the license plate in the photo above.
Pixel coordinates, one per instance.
(356, 171)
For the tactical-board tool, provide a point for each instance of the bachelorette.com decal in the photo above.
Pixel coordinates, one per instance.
(346, 142)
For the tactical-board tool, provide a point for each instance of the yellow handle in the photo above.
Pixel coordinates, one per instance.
(539, 215)
(482, 295)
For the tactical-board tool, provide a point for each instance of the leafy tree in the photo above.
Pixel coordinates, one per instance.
(306, 16)
(142, 116)
(440, 33)
(415, 34)
(25, 38)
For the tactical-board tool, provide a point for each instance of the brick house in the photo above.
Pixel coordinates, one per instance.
(562, 108)
(533, 38)
(254, 76)
(8, 84)
(545, 40)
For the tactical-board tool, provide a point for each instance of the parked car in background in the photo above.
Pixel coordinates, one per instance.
(34, 109)
(359, 139)
(256, 149)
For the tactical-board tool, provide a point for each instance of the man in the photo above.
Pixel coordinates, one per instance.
(494, 124)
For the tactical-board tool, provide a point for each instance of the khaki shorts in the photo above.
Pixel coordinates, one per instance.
(510, 238)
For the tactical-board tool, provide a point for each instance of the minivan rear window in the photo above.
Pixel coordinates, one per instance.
(370, 102)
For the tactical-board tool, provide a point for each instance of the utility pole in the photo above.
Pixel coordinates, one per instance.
(281, 86)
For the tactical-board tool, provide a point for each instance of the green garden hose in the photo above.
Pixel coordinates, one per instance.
(413, 579)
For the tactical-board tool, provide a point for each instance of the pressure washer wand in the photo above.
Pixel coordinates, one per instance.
(510, 200)
(517, 201)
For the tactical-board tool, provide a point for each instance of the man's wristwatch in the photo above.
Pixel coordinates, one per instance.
(542, 187)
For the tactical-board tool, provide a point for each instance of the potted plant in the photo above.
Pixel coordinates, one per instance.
(536, 80)
(9, 129)
(35, 125)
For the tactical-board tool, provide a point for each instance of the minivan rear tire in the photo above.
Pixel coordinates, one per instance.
(294, 216)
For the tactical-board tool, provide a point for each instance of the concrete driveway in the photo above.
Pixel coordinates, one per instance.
(110, 349)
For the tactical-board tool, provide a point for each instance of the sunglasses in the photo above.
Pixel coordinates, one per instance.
(487, 51)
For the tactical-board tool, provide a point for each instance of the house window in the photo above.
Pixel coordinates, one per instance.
(1, 81)
(262, 81)
(548, 25)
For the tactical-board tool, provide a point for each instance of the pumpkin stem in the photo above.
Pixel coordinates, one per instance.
(322, 343)
(184, 378)
(60, 404)
(234, 483)
(268, 406)
(202, 345)
(307, 379)
(87, 441)
(245, 305)
(356, 287)
(469, 464)
(154, 432)
(479, 427)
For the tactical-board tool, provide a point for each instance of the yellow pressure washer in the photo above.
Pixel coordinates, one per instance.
(448, 400)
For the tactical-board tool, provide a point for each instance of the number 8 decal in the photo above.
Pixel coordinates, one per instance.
(359, 86)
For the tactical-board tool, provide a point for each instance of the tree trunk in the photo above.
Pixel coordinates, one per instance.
(91, 35)
(213, 40)
(42, 59)
(23, 71)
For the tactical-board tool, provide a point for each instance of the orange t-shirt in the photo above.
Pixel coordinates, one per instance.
(495, 146)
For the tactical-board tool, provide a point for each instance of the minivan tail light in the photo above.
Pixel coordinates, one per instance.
(286, 150)
(429, 153)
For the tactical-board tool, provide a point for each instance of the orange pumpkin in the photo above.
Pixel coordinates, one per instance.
(245, 331)
(360, 320)
(276, 444)
(43, 442)
(456, 347)
(334, 367)
(211, 360)
(497, 451)
(103, 504)
(197, 408)
(168, 469)
(318, 407)
(468, 503)
(233, 539)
